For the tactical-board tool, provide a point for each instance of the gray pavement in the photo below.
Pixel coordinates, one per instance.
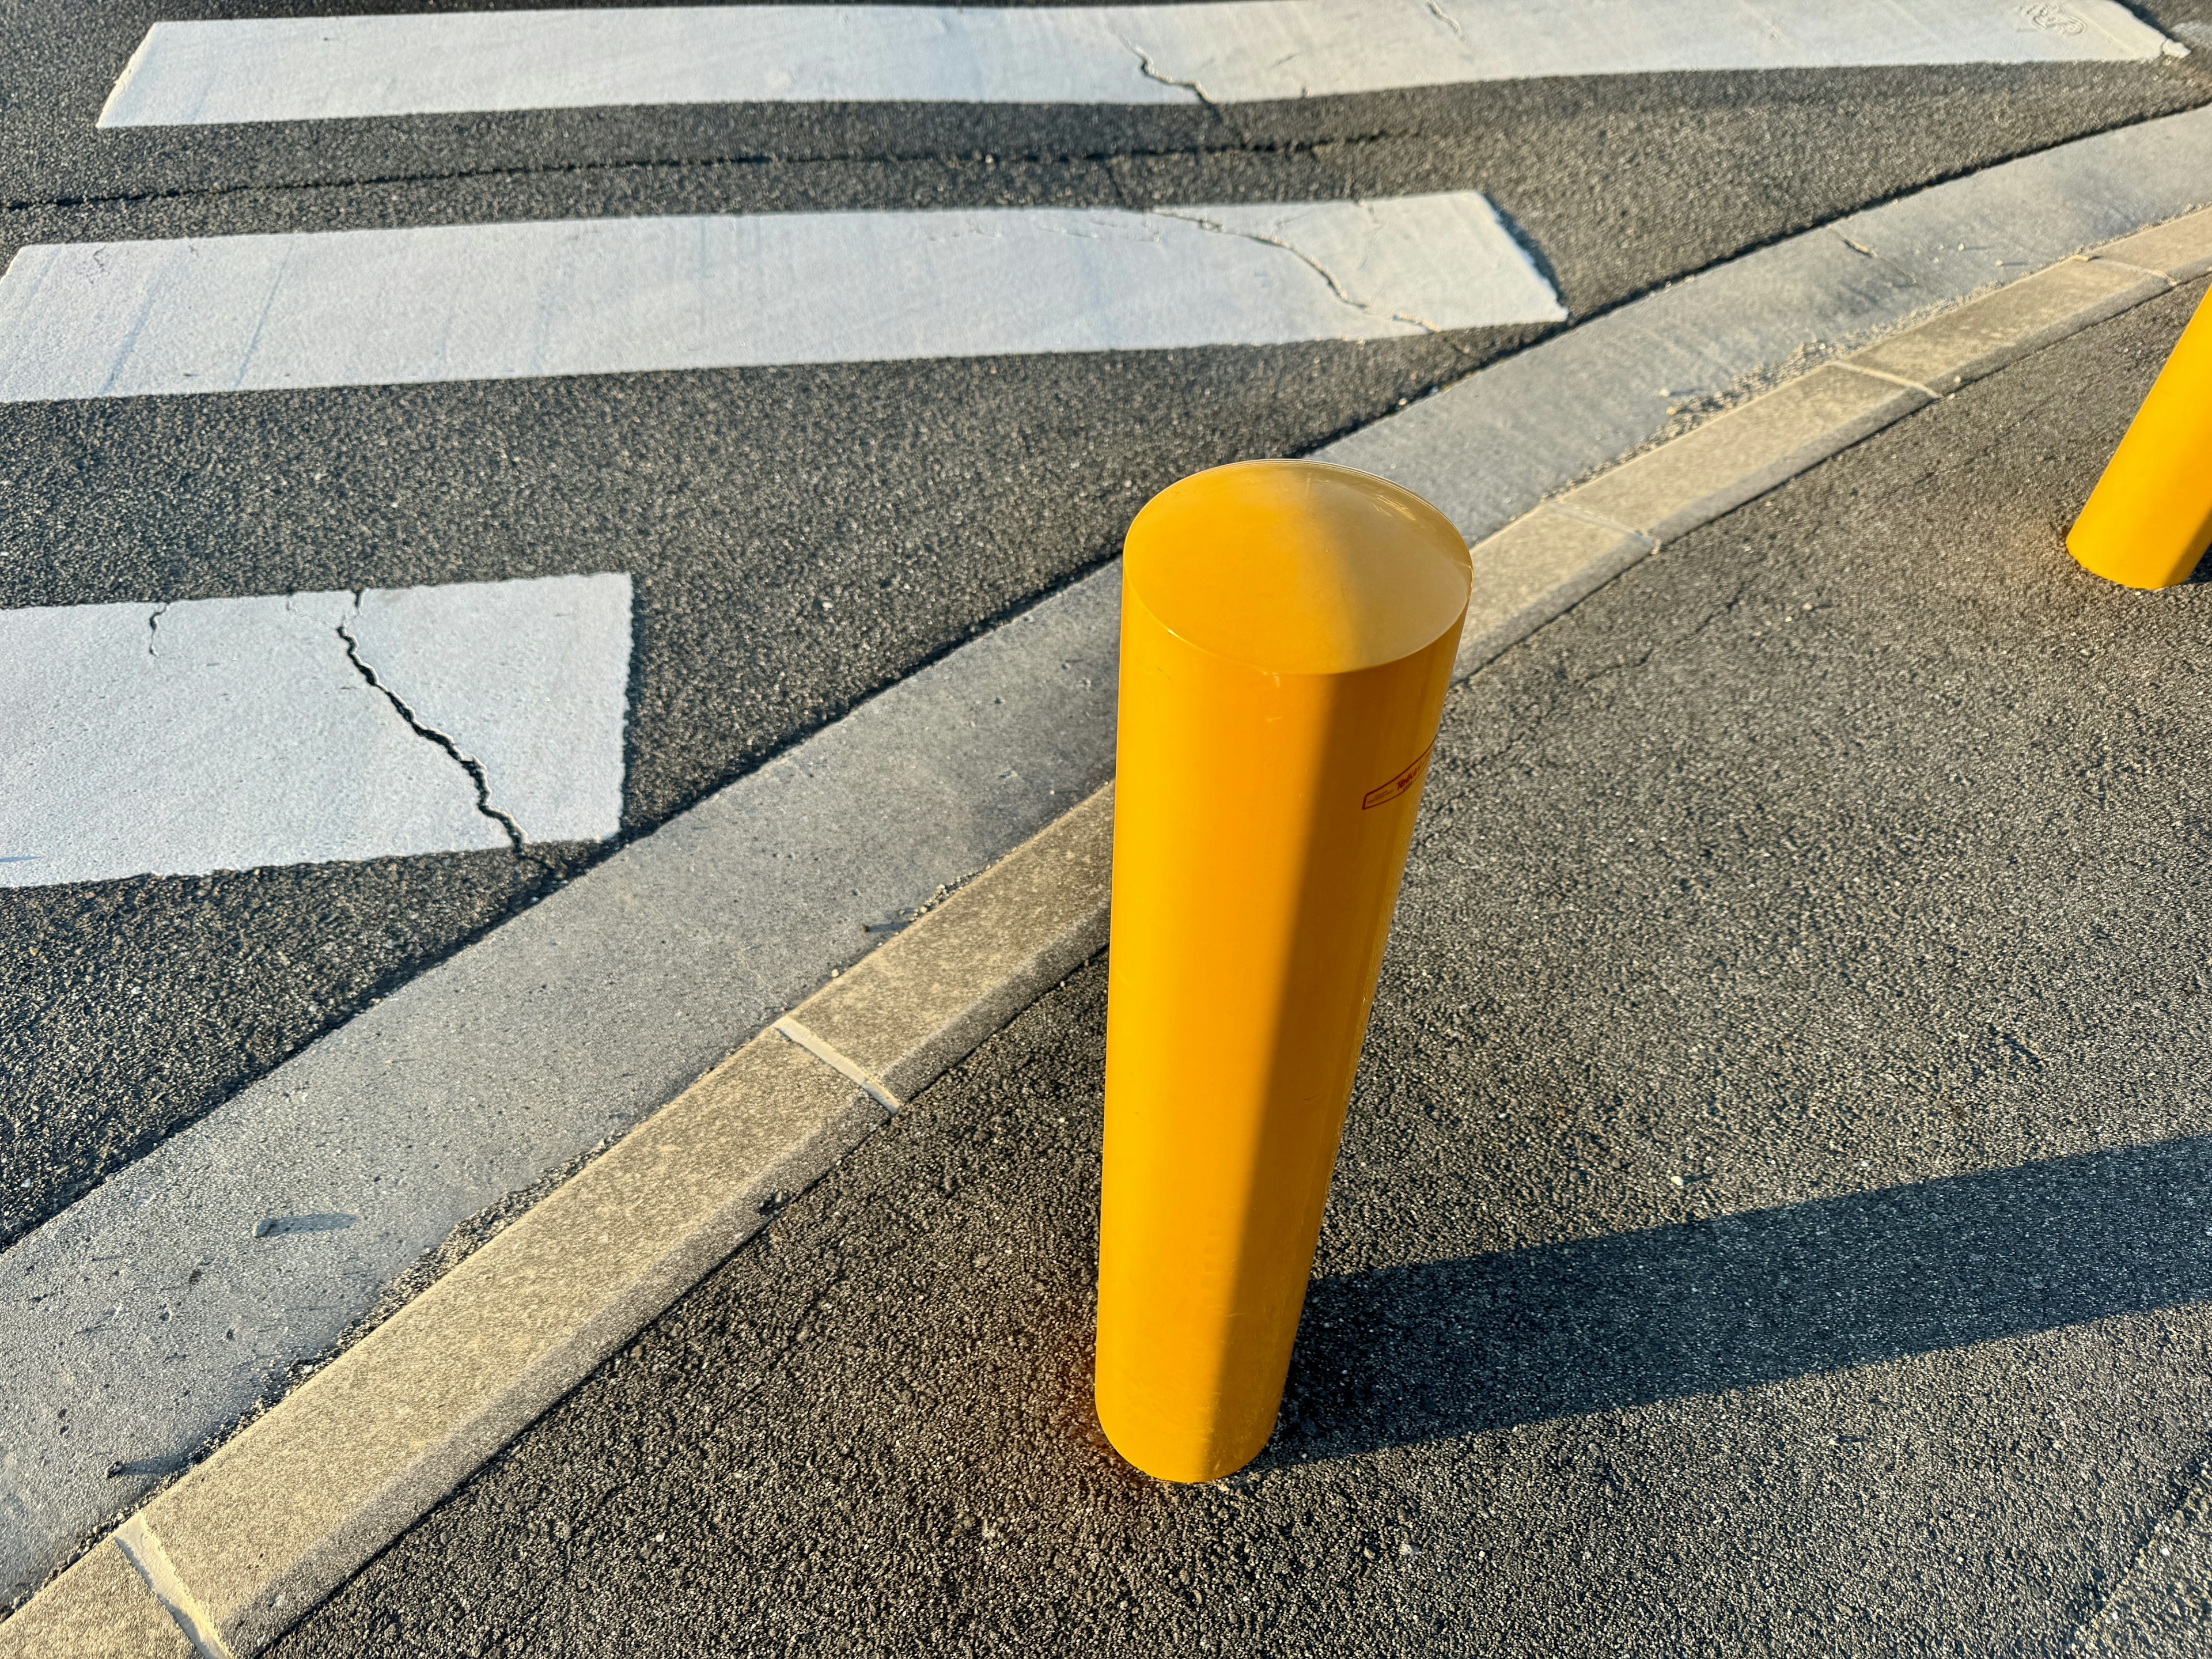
(599, 1017)
(798, 538)
(1773, 1215)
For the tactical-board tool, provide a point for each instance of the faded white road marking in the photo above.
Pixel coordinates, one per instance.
(1232, 52)
(221, 734)
(491, 301)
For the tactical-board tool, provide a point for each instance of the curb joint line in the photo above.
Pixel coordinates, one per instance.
(899, 1020)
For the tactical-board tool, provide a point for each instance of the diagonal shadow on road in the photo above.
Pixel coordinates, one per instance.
(1399, 1356)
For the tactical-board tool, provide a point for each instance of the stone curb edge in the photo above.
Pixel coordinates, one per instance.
(229, 1558)
(1558, 554)
(223, 1562)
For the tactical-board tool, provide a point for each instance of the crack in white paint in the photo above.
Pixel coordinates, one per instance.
(214, 734)
(1239, 50)
(1151, 72)
(1196, 217)
(479, 779)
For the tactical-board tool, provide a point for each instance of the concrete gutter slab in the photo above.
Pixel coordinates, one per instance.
(1490, 447)
(154, 1312)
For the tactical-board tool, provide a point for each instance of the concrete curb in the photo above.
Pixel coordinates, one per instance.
(226, 1560)
(100, 1608)
(1549, 559)
(903, 1017)
(154, 1310)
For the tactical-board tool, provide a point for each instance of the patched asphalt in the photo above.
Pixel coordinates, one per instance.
(1773, 1215)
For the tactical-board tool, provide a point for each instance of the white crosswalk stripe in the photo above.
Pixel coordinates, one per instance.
(490, 302)
(1231, 51)
(221, 734)
(234, 734)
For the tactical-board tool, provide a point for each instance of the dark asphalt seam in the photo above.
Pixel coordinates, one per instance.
(898, 158)
(1238, 145)
(431, 734)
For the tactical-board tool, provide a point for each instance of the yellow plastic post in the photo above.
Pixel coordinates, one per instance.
(1287, 635)
(2149, 519)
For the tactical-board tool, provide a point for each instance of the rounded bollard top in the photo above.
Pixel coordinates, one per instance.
(1298, 567)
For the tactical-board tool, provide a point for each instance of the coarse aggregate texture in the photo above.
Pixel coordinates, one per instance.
(2162, 1604)
(1773, 1215)
(797, 537)
(132, 1007)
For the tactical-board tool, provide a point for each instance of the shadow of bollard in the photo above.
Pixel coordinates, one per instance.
(1406, 1355)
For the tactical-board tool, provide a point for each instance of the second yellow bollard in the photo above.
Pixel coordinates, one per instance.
(2149, 519)
(1288, 630)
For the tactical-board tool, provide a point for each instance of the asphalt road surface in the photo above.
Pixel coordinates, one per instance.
(796, 538)
(1773, 1215)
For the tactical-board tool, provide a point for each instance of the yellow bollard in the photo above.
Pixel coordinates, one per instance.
(2149, 519)
(1287, 635)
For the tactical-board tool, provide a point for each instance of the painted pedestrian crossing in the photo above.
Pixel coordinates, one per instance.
(1228, 52)
(491, 301)
(406, 722)
(221, 735)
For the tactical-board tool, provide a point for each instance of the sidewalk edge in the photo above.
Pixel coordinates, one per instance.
(681, 1182)
(1553, 556)
(224, 1561)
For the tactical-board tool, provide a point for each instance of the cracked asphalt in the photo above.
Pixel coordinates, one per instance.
(1773, 1216)
(797, 537)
